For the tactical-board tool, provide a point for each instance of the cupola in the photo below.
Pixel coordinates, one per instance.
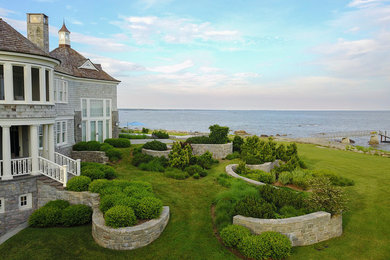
(64, 38)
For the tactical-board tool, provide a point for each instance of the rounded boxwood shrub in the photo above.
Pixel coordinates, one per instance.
(78, 183)
(232, 235)
(137, 192)
(269, 244)
(80, 146)
(98, 185)
(118, 142)
(105, 147)
(59, 204)
(109, 201)
(255, 207)
(156, 146)
(109, 172)
(46, 217)
(93, 146)
(148, 208)
(110, 189)
(139, 158)
(120, 216)
(75, 215)
(114, 154)
(93, 173)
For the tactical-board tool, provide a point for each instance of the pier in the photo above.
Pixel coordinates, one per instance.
(385, 137)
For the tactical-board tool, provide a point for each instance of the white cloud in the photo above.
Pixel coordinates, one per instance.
(6, 12)
(173, 68)
(366, 3)
(145, 29)
(209, 69)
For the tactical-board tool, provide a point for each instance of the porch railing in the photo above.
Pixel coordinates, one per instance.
(73, 166)
(53, 170)
(21, 166)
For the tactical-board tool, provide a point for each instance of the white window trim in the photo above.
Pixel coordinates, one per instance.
(2, 205)
(64, 86)
(28, 200)
(103, 118)
(62, 131)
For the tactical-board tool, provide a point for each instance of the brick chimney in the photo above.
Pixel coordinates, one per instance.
(38, 30)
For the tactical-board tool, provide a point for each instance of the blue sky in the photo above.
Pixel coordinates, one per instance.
(280, 54)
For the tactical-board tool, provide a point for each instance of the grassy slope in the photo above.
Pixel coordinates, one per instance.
(189, 233)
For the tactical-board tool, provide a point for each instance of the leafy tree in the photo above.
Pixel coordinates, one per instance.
(180, 155)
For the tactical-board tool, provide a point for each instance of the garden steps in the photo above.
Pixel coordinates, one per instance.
(51, 182)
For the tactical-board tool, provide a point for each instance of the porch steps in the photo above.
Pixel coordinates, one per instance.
(51, 182)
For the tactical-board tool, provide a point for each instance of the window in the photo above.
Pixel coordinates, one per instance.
(47, 85)
(60, 91)
(84, 107)
(108, 108)
(107, 129)
(40, 136)
(93, 130)
(96, 108)
(2, 206)
(84, 131)
(25, 201)
(35, 84)
(2, 82)
(18, 77)
(61, 132)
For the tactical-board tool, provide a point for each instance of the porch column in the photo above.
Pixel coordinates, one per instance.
(7, 175)
(34, 149)
(50, 148)
(8, 83)
(45, 141)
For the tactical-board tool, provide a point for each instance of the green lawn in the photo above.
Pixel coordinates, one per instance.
(189, 234)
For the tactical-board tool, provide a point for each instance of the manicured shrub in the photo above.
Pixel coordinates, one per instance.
(129, 136)
(145, 130)
(281, 197)
(232, 235)
(97, 186)
(326, 196)
(237, 143)
(301, 178)
(78, 183)
(266, 245)
(130, 202)
(232, 156)
(176, 174)
(120, 216)
(206, 160)
(196, 169)
(265, 177)
(285, 178)
(59, 204)
(160, 135)
(219, 134)
(149, 208)
(46, 217)
(141, 158)
(180, 155)
(199, 140)
(290, 211)
(111, 189)
(141, 185)
(114, 154)
(75, 215)
(118, 142)
(105, 147)
(154, 165)
(80, 146)
(254, 207)
(196, 176)
(156, 146)
(241, 169)
(137, 192)
(93, 173)
(87, 146)
(109, 172)
(108, 201)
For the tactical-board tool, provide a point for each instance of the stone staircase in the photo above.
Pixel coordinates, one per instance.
(50, 182)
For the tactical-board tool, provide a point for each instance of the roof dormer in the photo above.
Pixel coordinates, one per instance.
(64, 36)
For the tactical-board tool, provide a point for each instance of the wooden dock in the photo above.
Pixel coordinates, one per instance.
(385, 137)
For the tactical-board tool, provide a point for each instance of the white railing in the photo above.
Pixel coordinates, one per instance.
(21, 166)
(53, 170)
(72, 165)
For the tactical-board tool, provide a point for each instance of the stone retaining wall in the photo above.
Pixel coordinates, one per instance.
(128, 238)
(48, 193)
(267, 167)
(219, 151)
(90, 156)
(156, 153)
(303, 230)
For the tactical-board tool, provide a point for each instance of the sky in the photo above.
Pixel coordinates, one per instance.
(224, 54)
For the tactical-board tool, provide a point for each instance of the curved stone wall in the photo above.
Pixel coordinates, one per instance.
(303, 230)
(219, 151)
(230, 171)
(156, 153)
(128, 238)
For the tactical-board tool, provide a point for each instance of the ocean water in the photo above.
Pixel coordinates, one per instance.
(290, 123)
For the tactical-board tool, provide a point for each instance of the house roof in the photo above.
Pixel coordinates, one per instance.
(71, 61)
(11, 40)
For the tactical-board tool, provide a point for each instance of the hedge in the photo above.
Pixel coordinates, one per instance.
(78, 183)
(46, 217)
(118, 142)
(76, 215)
(156, 146)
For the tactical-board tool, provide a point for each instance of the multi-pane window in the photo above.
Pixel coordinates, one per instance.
(96, 119)
(18, 80)
(84, 106)
(61, 132)
(47, 85)
(108, 108)
(35, 84)
(2, 96)
(60, 91)
(40, 136)
(96, 106)
(2, 207)
(84, 131)
(25, 201)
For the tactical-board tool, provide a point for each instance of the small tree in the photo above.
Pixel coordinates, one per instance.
(219, 134)
(326, 197)
(180, 155)
(237, 143)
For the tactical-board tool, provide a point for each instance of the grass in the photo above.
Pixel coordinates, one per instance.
(189, 234)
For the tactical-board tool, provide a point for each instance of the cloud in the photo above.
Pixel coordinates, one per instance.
(6, 12)
(146, 29)
(173, 68)
(366, 3)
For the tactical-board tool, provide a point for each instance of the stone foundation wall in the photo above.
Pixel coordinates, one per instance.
(10, 191)
(48, 193)
(90, 156)
(127, 238)
(219, 151)
(303, 230)
(156, 153)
